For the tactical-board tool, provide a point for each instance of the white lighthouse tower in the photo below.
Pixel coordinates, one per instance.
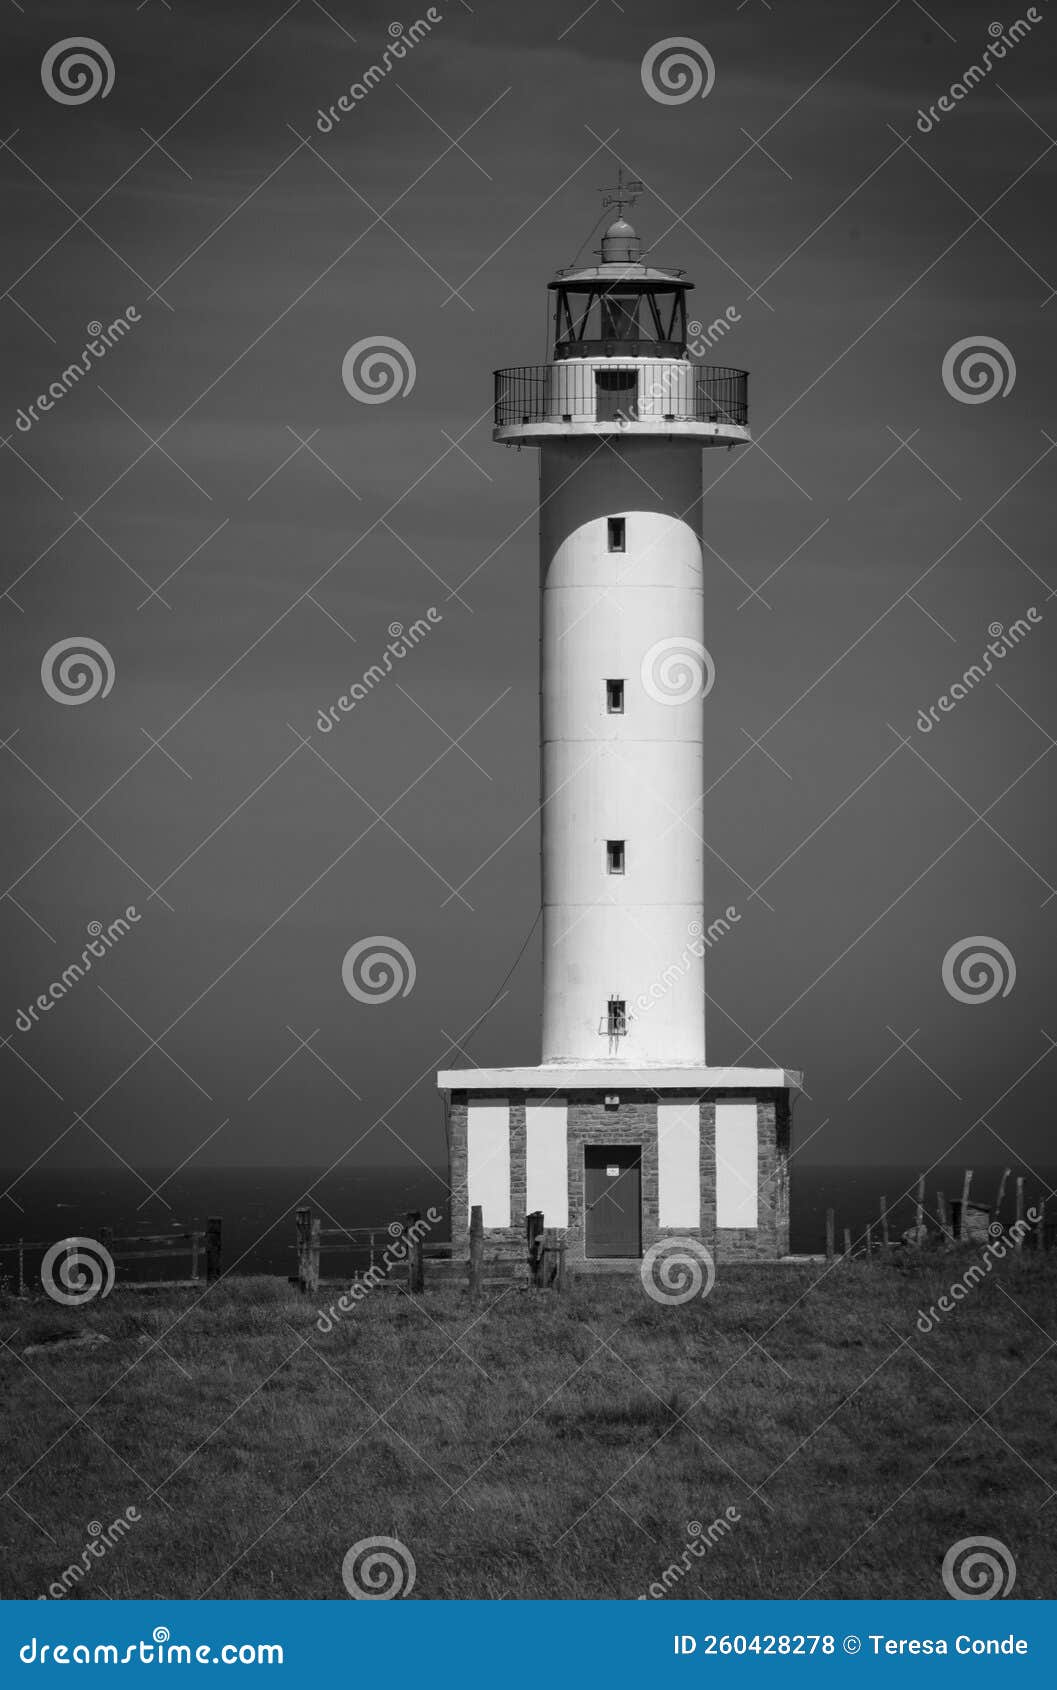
(623, 1133)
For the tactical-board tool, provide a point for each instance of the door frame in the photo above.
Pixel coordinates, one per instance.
(639, 1148)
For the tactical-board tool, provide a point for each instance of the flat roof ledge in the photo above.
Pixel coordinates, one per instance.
(559, 1077)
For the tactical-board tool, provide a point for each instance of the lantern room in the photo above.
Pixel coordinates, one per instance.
(622, 307)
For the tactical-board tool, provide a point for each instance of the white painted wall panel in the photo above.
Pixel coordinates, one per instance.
(678, 1164)
(547, 1161)
(488, 1160)
(736, 1165)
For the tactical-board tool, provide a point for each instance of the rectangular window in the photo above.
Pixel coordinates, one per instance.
(615, 698)
(615, 532)
(617, 1018)
(614, 856)
(616, 395)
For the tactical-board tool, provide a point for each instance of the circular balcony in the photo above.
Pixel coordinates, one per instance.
(669, 398)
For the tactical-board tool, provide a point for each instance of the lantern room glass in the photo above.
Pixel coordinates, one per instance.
(593, 320)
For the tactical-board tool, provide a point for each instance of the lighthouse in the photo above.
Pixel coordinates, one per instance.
(623, 1135)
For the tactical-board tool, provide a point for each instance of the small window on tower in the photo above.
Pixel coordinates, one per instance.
(617, 1018)
(614, 856)
(615, 534)
(615, 698)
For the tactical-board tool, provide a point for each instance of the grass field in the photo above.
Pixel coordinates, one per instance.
(540, 1445)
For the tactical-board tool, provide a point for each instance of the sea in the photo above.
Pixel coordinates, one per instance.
(258, 1207)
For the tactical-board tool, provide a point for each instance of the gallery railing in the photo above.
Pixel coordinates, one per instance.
(659, 391)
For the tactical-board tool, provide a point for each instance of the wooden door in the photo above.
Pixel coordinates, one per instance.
(613, 1200)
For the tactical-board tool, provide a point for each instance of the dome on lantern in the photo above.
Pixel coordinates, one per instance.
(620, 243)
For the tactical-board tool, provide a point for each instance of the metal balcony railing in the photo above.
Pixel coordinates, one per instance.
(615, 393)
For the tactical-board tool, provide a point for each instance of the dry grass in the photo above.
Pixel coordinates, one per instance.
(539, 1446)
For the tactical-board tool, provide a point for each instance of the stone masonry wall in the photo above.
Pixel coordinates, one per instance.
(634, 1121)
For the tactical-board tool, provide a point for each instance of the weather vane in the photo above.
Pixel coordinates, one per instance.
(624, 194)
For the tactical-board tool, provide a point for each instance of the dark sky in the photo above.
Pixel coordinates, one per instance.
(854, 261)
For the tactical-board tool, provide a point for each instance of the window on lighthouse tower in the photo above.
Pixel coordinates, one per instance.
(615, 698)
(616, 534)
(614, 856)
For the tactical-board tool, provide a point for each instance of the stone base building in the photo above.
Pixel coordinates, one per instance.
(616, 1164)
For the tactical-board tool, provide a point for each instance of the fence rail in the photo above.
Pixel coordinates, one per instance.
(541, 1263)
(404, 1243)
(952, 1221)
(204, 1247)
(397, 1253)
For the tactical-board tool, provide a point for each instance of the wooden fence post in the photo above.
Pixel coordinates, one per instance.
(534, 1235)
(883, 1213)
(559, 1278)
(943, 1217)
(304, 1227)
(963, 1218)
(847, 1240)
(1020, 1207)
(919, 1208)
(416, 1262)
(196, 1240)
(21, 1268)
(1001, 1192)
(307, 1252)
(476, 1263)
(214, 1247)
(869, 1238)
(551, 1259)
(830, 1231)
